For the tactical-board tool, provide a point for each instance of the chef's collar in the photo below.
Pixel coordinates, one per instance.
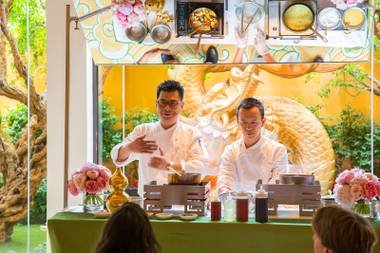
(170, 128)
(254, 146)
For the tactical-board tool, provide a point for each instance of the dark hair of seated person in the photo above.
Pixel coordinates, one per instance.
(128, 231)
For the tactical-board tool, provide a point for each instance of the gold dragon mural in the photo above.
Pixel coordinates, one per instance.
(212, 110)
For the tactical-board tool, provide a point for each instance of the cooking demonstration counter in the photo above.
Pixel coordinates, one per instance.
(71, 232)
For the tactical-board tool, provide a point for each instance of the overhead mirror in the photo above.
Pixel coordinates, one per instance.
(226, 32)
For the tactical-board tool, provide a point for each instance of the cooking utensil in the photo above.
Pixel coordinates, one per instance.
(203, 20)
(329, 18)
(296, 179)
(242, 19)
(299, 17)
(185, 179)
(249, 13)
(353, 18)
(137, 32)
(161, 33)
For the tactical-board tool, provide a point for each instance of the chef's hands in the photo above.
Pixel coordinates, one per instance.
(158, 162)
(241, 37)
(139, 145)
(260, 44)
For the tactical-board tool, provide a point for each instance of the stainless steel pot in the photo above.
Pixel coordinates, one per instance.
(296, 179)
(185, 179)
(161, 33)
(137, 32)
(353, 18)
(329, 18)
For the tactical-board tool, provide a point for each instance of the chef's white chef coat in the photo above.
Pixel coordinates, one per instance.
(180, 144)
(242, 167)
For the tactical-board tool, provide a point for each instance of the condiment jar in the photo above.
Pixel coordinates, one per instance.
(261, 205)
(242, 206)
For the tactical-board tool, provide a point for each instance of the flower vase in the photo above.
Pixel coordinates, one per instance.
(93, 202)
(362, 207)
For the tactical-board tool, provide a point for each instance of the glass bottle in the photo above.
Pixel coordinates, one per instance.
(261, 205)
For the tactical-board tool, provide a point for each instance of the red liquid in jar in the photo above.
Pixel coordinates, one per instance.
(216, 210)
(242, 209)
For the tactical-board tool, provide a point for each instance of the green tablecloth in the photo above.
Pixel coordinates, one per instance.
(79, 233)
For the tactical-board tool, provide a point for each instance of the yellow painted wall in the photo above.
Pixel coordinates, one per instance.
(141, 82)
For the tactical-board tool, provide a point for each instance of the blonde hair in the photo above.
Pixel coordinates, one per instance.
(344, 231)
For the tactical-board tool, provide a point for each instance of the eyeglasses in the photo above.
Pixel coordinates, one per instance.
(249, 124)
(164, 102)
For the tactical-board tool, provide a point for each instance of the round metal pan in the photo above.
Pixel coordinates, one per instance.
(161, 33)
(353, 18)
(299, 17)
(203, 21)
(329, 18)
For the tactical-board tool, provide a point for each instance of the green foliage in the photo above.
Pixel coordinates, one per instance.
(14, 121)
(38, 210)
(1, 179)
(17, 24)
(350, 76)
(351, 139)
(111, 135)
(137, 117)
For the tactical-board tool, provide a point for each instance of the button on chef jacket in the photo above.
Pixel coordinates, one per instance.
(242, 167)
(180, 142)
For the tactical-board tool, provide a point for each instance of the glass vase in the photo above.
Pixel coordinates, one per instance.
(93, 202)
(362, 207)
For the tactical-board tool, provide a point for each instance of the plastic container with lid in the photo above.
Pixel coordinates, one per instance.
(261, 205)
(242, 206)
(229, 207)
(216, 207)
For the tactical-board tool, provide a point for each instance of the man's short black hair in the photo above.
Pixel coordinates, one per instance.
(248, 103)
(171, 85)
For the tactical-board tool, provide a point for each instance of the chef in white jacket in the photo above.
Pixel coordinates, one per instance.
(253, 156)
(167, 145)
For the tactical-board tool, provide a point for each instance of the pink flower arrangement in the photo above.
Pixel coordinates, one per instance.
(355, 184)
(128, 12)
(91, 179)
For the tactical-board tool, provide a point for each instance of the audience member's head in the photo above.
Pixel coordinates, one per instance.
(128, 231)
(338, 230)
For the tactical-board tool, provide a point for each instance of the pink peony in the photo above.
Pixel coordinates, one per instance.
(79, 180)
(125, 9)
(102, 183)
(131, 1)
(91, 186)
(371, 177)
(356, 191)
(139, 9)
(105, 173)
(88, 166)
(370, 190)
(72, 188)
(378, 188)
(92, 174)
(345, 177)
(343, 195)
